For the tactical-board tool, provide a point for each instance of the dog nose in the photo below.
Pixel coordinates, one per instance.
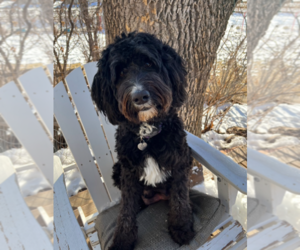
(140, 97)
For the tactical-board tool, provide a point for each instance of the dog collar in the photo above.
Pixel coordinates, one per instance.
(147, 131)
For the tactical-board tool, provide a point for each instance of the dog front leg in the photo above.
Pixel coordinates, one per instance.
(126, 232)
(180, 216)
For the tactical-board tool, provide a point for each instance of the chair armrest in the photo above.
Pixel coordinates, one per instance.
(274, 171)
(218, 163)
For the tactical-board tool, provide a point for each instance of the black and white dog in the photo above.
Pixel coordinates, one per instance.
(139, 86)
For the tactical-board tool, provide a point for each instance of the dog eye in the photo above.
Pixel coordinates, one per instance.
(149, 64)
(123, 72)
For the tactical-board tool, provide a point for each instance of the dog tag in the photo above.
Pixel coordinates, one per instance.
(142, 146)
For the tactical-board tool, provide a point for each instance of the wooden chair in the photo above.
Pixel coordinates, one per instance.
(31, 122)
(19, 229)
(271, 180)
(19, 114)
(80, 122)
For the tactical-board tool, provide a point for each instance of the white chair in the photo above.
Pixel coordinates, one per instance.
(19, 229)
(271, 180)
(95, 163)
(18, 114)
(31, 121)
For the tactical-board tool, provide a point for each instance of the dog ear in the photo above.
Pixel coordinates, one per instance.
(102, 91)
(174, 65)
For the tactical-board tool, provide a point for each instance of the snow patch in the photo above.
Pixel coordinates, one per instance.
(218, 140)
(30, 181)
(73, 179)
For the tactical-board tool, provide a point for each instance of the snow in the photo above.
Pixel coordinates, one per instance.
(270, 141)
(38, 49)
(73, 179)
(236, 116)
(30, 181)
(281, 116)
(218, 140)
(74, 182)
(208, 187)
(289, 210)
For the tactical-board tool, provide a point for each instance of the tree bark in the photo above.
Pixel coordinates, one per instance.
(259, 15)
(193, 28)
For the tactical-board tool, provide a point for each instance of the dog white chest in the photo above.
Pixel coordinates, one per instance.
(152, 174)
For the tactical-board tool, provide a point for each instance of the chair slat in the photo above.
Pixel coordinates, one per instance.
(72, 132)
(67, 233)
(274, 171)
(90, 70)
(91, 123)
(50, 68)
(109, 129)
(218, 163)
(271, 235)
(18, 115)
(225, 238)
(40, 91)
(19, 228)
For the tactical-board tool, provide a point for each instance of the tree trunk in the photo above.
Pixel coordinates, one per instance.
(259, 17)
(193, 28)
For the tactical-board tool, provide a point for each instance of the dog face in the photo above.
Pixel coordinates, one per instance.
(139, 79)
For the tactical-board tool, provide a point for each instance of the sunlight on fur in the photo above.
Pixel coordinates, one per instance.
(147, 114)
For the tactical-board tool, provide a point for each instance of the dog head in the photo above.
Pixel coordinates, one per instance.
(139, 79)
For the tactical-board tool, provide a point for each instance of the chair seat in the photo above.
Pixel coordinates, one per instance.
(153, 226)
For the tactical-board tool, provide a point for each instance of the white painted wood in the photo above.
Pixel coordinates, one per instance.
(241, 245)
(20, 168)
(88, 227)
(218, 163)
(268, 194)
(90, 70)
(94, 240)
(224, 220)
(289, 245)
(73, 134)
(225, 238)
(227, 194)
(261, 221)
(40, 92)
(82, 99)
(274, 171)
(109, 129)
(69, 167)
(50, 68)
(47, 220)
(67, 232)
(269, 236)
(18, 227)
(18, 115)
(96, 247)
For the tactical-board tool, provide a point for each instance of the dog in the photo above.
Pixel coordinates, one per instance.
(140, 86)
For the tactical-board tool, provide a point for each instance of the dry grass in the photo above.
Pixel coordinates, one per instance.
(274, 80)
(228, 81)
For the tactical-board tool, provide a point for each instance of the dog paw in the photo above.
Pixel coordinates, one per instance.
(182, 234)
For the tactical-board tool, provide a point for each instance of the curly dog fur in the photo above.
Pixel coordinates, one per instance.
(141, 80)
